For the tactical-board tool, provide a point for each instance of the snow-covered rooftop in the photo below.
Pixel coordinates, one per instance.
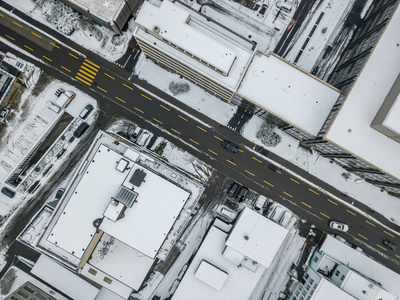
(359, 262)
(108, 10)
(238, 285)
(63, 280)
(211, 275)
(351, 129)
(392, 120)
(194, 34)
(288, 92)
(256, 237)
(328, 291)
(152, 215)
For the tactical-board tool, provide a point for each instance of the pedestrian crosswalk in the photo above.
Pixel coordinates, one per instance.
(87, 72)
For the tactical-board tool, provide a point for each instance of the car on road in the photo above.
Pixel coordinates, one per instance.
(233, 190)
(86, 111)
(3, 114)
(230, 146)
(59, 194)
(8, 192)
(389, 244)
(284, 6)
(338, 226)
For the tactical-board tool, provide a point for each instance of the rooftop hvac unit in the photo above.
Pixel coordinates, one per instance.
(156, 29)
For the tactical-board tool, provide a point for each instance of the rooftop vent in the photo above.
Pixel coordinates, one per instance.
(156, 29)
(125, 196)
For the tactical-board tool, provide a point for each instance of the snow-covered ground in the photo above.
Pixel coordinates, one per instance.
(86, 33)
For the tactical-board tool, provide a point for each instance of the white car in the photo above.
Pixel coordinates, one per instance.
(3, 114)
(338, 226)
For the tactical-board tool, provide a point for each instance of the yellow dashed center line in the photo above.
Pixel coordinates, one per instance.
(175, 131)
(131, 88)
(194, 142)
(313, 191)
(119, 99)
(249, 173)
(46, 58)
(109, 76)
(17, 24)
(92, 63)
(306, 204)
(256, 159)
(10, 37)
(166, 108)
(212, 152)
(269, 183)
(102, 89)
(139, 110)
(350, 212)
(28, 47)
(325, 215)
(231, 162)
(277, 171)
(388, 233)
(288, 194)
(241, 151)
(370, 223)
(363, 237)
(55, 45)
(381, 247)
(74, 56)
(332, 201)
(294, 180)
(201, 128)
(397, 256)
(66, 69)
(1, 15)
(218, 138)
(146, 97)
(35, 34)
(157, 120)
(182, 118)
(101, 110)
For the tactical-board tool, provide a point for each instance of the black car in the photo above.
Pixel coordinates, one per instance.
(389, 244)
(233, 190)
(230, 146)
(81, 130)
(59, 194)
(8, 192)
(242, 194)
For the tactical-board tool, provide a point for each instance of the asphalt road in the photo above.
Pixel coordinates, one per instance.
(200, 136)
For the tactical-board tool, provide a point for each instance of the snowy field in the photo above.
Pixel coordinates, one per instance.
(86, 33)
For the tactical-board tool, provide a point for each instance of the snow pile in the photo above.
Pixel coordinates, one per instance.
(178, 87)
(61, 16)
(267, 134)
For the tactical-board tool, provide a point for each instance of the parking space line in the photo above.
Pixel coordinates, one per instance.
(231, 162)
(249, 173)
(175, 131)
(139, 110)
(269, 183)
(370, 223)
(350, 212)
(288, 194)
(306, 204)
(325, 215)
(313, 191)
(294, 180)
(119, 99)
(201, 128)
(381, 247)
(194, 142)
(332, 201)
(363, 237)
(157, 120)
(212, 151)
(388, 233)
(256, 159)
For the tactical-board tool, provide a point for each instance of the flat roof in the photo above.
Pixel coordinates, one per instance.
(198, 37)
(288, 92)
(361, 263)
(152, 215)
(64, 280)
(392, 119)
(211, 275)
(328, 291)
(107, 9)
(239, 284)
(351, 128)
(256, 237)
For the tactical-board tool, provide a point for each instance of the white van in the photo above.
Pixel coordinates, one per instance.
(53, 107)
(259, 205)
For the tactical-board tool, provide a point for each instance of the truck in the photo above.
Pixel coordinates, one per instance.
(65, 99)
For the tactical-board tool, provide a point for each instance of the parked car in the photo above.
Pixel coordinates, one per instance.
(59, 194)
(59, 92)
(53, 107)
(285, 218)
(233, 190)
(135, 134)
(242, 194)
(276, 213)
(338, 226)
(8, 192)
(81, 130)
(143, 138)
(3, 114)
(258, 206)
(86, 111)
(230, 146)
(389, 244)
(284, 6)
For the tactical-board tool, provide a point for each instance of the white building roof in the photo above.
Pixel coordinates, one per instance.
(289, 93)
(108, 10)
(211, 275)
(204, 39)
(351, 128)
(362, 264)
(64, 280)
(328, 291)
(239, 284)
(256, 237)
